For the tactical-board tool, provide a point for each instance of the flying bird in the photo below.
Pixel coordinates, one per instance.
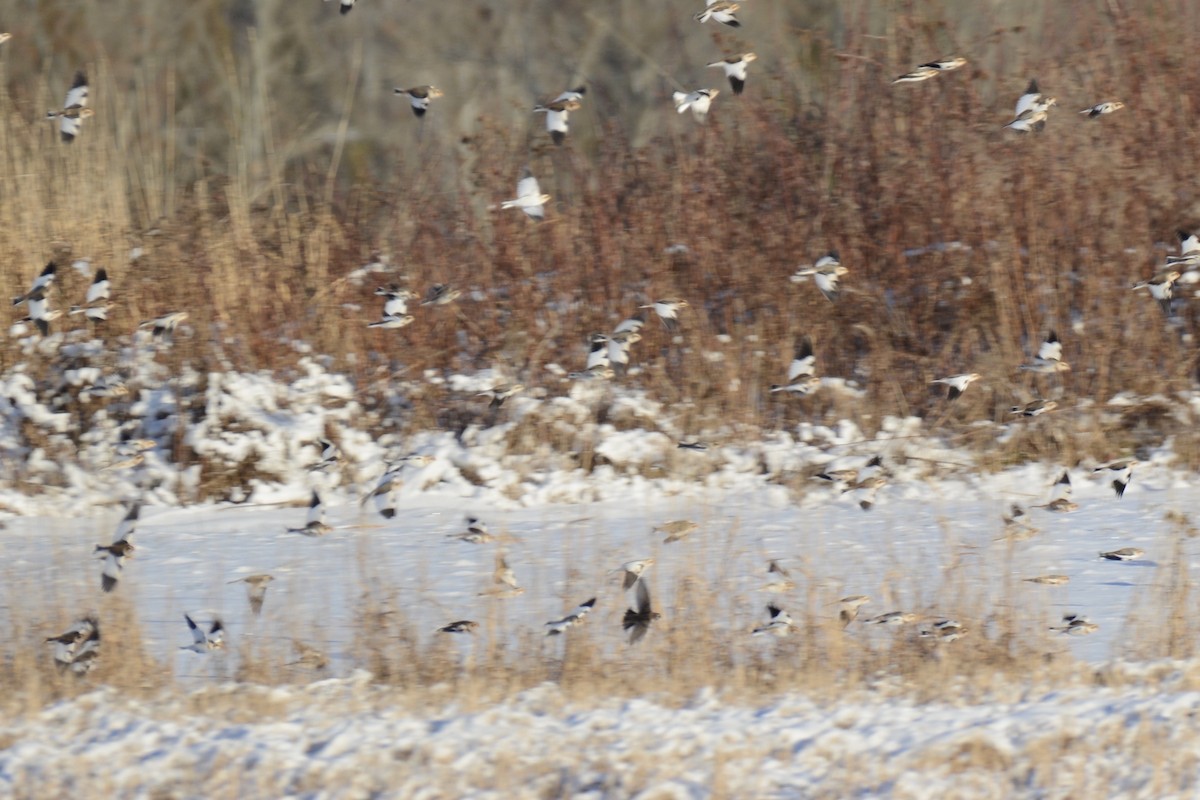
(256, 589)
(557, 114)
(633, 570)
(96, 304)
(698, 101)
(779, 580)
(74, 109)
(476, 533)
(801, 375)
(1121, 473)
(735, 69)
(441, 294)
(1049, 357)
(344, 6)
(164, 327)
(958, 384)
(1060, 499)
(850, 606)
(1076, 625)
(419, 97)
(1034, 408)
(1031, 110)
(676, 530)
(825, 273)
(503, 574)
(314, 525)
(1100, 109)
(78, 648)
(668, 312)
(637, 620)
(722, 12)
(559, 626)
(1162, 288)
(1050, 580)
(121, 548)
(926, 71)
(500, 393)
(530, 198)
(40, 284)
(780, 624)
(204, 642)
(396, 300)
(459, 626)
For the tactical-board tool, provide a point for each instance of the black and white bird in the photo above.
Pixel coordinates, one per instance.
(441, 294)
(1031, 110)
(40, 312)
(698, 100)
(476, 533)
(559, 626)
(97, 303)
(958, 383)
(419, 97)
(315, 523)
(1034, 408)
(40, 284)
(668, 312)
(1100, 109)
(637, 620)
(801, 375)
(1124, 554)
(632, 570)
(78, 648)
(1119, 472)
(735, 69)
(558, 115)
(121, 548)
(256, 589)
(1049, 357)
(825, 274)
(395, 303)
(598, 353)
(74, 110)
(392, 321)
(530, 197)
(344, 6)
(780, 623)
(1161, 287)
(926, 71)
(500, 393)
(163, 328)
(205, 642)
(1060, 495)
(459, 626)
(619, 345)
(1189, 252)
(721, 11)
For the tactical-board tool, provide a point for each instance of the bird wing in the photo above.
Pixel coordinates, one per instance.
(643, 599)
(197, 634)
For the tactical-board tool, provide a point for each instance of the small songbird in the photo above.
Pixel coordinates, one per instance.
(74, 110)
(459, 626)
(40, 312)
(396, 300)
(1049, 357)
(1189, 251)
(1050, 580)
(419, 97)
(780, 624)
(202, 642)
(1161, 287)
(637, 620)
(958, 384)
(344, 6)
(735, 69)
(802, 378)
(476, 533)
(96, 304)
(557, 114)
(40, 283)
(256, 589)
(633, 570)
(1076, 625)
(676, 530)
(1034, 408)
(668, 312)
(825, 273)
(503, 574)
(315, 523)
(850, 606)
(722, 12)
(1061, 495)
(942, 630)
(1121, 473)
(441, 294)
(164, 327)
(619, 345)
(558, 626)
(78, 648)
(779, 580)
(500, 393)
(698, 100)
(392, 321)
(530, 198)
(1124, 554)
(121, 548)
(1031, 110)
(926, 71)
(1101, 109)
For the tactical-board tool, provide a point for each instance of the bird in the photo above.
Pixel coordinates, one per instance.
(1049, 357)
(559, 626)
(1031, 109)
(308, 656)
(633, 571)
(926, 71)
(637, 620)
(500, 393)
(779, 580)
(1061, 498)
(204, 642)
(958, 384)
(314, 525)
(256, 589)
(344, 6)
(503, 574)
(619, 344)
(331, 456)
(600, 372)
(942, 630)
(77, 649)
(557, 115)
(722, 12)
(696, 446)
(698, 100)
(633, 324)
(164, 327)
(852, 475)
(1101, 109)
(780, 623)
(1189, 251)
(392, 321)
(1124, 554)
(96, 304)
(395, 300)
(1121, 473)
(850, 606)
(868, 487)
(459, 626)
(121, 548)
(441, 294)
(1076, 625)
(801, 375)
(1034, 408)
(74, 109)
(1016, 528)
(40, 312)
(384, 493)
(1050, 580)
(419, 97)
(530, 198)
(735, 69)
(892, 618)
(825, 273)
(476, 533)
(668, 311)
(1162, 287)
(41, 283)
(676, 530)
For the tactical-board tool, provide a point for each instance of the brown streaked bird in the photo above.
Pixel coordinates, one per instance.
(942, 630)
(637, 620)
(1060, 499)
(503, 573)
(121, 548)
(892, 618)
(722, 12)
(676, 530)
(256, 589)
(419, 97)
(557, 115)
(1050, 580)
(75, 110)
(558, 626)
(1124, 554)
(78, 648)
(307, 656)
(850, 606)
(735, 69)
(459, 626)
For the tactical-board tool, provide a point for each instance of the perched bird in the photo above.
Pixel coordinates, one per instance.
(459, 626)
(637, 620)
(1034, 408)
(74, 109)
(256, 589)
(164, 327)
(1061, 497)
(419, 97)
(503, 574)
(396, 300)
(557, 115)
(1049, 357)
(40, 283)
(96, 304)
(1031, 110)
(633, 570)
(441, 294)
(892, 618)
(315, 523)
(850, 606)
(559, 626)
(722, 12)
(476, 533)
(780, 623)
(1124, 554)
(926, 71)
(530, 198)
(1103, 108)
(698, 100)
(942, 630)
(121, 548)
(344, 6)
(735, 69)
(825, 273)
(1076, 625)
(958, 384)
(779, 580)
(77, 649)
(801, 375)
(204, 642)
(676, 530)
(1050, 580)
(500, 393)
(668, 312)
(1162, 288)
(1121, 473)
